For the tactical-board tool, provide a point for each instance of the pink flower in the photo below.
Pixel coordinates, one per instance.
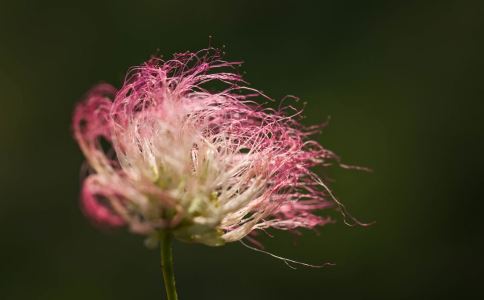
(193, 152)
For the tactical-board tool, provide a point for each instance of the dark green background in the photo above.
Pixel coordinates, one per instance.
(402, 81)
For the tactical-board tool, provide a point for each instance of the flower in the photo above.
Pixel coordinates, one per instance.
(184, 146)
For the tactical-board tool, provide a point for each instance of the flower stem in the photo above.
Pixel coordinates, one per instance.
(166, 240)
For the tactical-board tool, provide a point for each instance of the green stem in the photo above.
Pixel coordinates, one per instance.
(166, 240)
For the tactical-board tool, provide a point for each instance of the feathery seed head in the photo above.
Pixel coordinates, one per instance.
(210, 166)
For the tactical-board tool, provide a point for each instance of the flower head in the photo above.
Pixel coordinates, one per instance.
(193, 152)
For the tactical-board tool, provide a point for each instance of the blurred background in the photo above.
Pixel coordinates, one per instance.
(402, 82)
